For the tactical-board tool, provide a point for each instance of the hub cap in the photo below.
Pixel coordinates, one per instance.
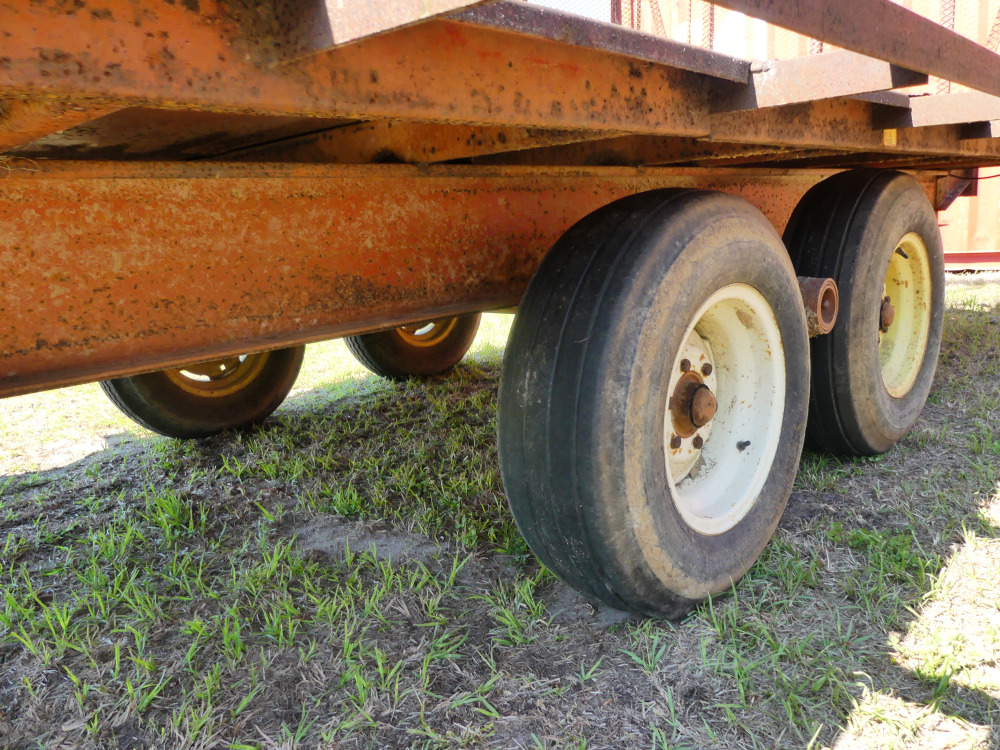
(905, 315)
(723, 417)
(429, 333)
(220, 377)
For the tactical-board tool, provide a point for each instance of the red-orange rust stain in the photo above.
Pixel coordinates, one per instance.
(564, 67)
(456, 35)
(490, 57)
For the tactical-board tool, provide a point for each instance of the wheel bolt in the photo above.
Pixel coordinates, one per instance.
(697, 442)
(675, 442)
(886, 315)
(685, 365)
(706, 369)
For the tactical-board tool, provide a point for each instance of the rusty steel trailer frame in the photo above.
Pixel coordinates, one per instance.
(294, 254)
(189, 180)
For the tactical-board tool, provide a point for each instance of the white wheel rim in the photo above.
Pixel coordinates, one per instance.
(713, 487)
(902, 344)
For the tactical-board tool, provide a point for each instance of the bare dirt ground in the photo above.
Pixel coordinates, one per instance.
(349, 576)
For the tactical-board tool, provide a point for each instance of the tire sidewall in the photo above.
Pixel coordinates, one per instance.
(893, 207)
(678, 269)
(158, 403)
(391, 355)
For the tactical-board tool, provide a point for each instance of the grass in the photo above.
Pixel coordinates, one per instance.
(349, 576)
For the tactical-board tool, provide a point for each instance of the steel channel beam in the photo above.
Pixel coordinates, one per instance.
(172, 57)
(843, 125)
(840, 125)
(630, 150)
(801, 79)
(545, 23)
(113, 269)
(958, 261)
(407, 142)
(308, 27)
(941, 109)
(884, 30)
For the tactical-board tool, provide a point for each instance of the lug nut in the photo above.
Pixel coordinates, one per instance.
(697, 442)
(675, 442)
(706, 369)
(685, 365)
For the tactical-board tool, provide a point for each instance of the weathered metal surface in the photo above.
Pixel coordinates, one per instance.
(307, 27)
(821, 300)
(974, 130)
(631, 150)
(952, 185)
(113, 269)
(545, 23)
(800, 79)
(885, 98)
(692, 404)
(883, 29)
(138, 132)
(407, 142)
(941, 109)
(494, 80)
(842, 125)
(165, 55)
(886, 315)
(976, 261)
(23, 121)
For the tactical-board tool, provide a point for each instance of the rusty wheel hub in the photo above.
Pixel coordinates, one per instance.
(886, 315)
(692, 404)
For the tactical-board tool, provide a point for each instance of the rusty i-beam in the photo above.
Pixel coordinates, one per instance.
(286, 228)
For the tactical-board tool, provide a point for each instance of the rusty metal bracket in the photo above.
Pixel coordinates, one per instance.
(545, 23)
(777, 83)
(955, 184)
(940, 109)
(821, 300)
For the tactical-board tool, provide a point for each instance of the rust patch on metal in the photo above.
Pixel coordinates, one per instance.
(887, 315)
(821, 300)
(692, 404)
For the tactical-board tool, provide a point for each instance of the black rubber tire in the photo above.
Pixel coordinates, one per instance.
(157, 403)
(391, 355)
(582, 396)
(847, 228)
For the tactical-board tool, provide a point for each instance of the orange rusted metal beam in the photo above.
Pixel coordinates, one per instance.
(407, 142)
(164, 54)
(109, 269)
(631, 150)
